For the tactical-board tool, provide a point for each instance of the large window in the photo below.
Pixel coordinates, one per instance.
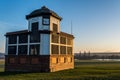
(55, 38)
(62, 49)
(62, 40)
(12, 39)
(35, 26)
(22, 50)
(12, 50)
(54, 49)
(34, 49)
(69, 50)
(55, 27)
(35, 35)
(23, 38)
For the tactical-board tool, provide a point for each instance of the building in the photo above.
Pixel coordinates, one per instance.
(42, 48)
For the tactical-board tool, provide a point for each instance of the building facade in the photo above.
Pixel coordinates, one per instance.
(42, 48)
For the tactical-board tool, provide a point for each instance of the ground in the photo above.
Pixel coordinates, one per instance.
(84, 70)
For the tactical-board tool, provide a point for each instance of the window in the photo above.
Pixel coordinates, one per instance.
(69, 50)
(62, 50)
(12, 50)
(22, 50)
(35, 26)
(35, 37)
(34, 49)
(12, 39)
(62, 40)
(69, 41)
(55, 39)
(55, 27)
(46, 21)
(23, 38)
(55, 49)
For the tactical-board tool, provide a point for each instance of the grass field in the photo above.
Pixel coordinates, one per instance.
(84, 70)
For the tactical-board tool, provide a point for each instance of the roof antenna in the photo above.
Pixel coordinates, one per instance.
(71, 27)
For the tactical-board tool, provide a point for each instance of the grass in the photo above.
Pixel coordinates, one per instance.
(84, 70)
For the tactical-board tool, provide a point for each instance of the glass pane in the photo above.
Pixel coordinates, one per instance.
(55, 49)
(55, 27)
(22, 49)
(35, 26)
(34, 49)
(34, 37)
(69, 50)
(69, 41)
(62, 40)
(62, 50)
(23, 38)
(12, 50)
(12, 39)
(55, 38)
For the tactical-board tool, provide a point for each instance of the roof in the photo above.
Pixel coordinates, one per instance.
(41, 31)
(16, 32)
(43, 11)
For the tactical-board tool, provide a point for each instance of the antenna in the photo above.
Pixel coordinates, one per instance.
(71, 27)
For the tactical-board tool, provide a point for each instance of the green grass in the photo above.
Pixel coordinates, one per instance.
(84, 70)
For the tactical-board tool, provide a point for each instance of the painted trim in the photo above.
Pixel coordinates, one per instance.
(6, 46)
(17, 45)
(28, 44)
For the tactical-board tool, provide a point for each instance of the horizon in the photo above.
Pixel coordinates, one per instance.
(95, 23)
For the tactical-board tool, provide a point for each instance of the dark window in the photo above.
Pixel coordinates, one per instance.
(35, 35)
(22, 49)
(12, 39)
(55, 27)
(62, 40)
(55, 49)
(62, 50)
(35, 26)
(34, 49)
(23, 38)
(12, 50)
(55, 39)
(69, 50)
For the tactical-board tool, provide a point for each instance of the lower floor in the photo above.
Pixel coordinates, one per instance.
(40, 63)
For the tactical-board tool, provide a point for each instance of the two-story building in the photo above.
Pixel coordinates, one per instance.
(42, 48)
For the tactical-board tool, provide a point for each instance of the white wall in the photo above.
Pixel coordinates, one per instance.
(37, 19)
(45, 44)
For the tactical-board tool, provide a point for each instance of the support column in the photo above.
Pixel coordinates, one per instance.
(59, 45)
(17, 45)
(6, 46)
(39, 45)
(72, 47)
(66, 46)
(28, 49)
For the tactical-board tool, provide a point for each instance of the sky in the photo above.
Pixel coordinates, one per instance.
(95, 23)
